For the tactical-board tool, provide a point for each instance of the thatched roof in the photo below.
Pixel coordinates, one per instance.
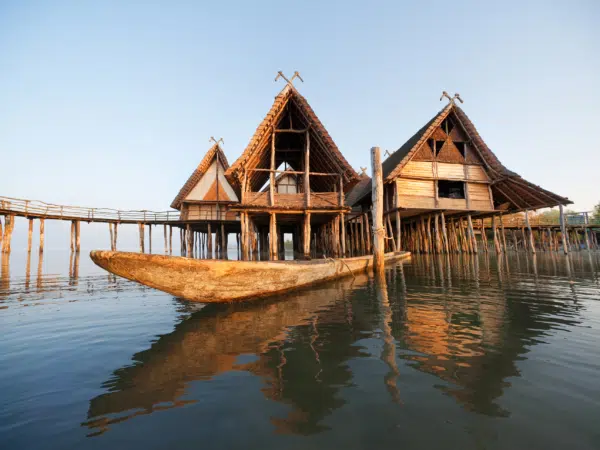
(525, 195)
(290, 109)
(197, 174)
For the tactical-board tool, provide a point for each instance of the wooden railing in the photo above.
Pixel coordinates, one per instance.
(36, 208)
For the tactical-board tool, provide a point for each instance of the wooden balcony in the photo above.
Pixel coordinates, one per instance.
(318, 200)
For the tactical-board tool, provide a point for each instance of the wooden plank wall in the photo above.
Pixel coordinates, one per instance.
(421, 193)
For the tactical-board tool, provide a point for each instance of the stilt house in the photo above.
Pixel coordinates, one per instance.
(317, 177)
(445, 171)
(206, 198)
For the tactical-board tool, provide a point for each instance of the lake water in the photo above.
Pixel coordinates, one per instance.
(446, 352)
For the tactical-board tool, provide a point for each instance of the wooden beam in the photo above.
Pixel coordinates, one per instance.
(307, 170)
(272, 174)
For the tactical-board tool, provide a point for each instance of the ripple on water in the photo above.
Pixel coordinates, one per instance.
(487, 351)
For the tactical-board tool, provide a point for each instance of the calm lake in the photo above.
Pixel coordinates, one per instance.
(447, 352)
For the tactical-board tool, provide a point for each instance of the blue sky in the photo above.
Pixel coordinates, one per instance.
(111, 103)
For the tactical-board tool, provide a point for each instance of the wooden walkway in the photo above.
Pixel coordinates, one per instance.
(35, 209)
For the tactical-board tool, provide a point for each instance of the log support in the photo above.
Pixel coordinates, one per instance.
(377, 200)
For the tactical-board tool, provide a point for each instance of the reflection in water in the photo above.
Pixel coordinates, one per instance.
(388, 355)
(39, 282)
(466, 320)
(283, 334)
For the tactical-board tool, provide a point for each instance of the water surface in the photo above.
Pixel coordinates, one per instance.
(444, 352)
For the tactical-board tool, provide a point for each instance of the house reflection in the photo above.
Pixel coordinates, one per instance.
(464, 321)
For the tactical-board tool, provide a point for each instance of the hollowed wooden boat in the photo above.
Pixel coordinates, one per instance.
(222, 281)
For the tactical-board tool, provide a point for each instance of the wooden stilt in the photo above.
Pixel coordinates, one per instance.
(41, 236)
(444, 233)
(474, 248)
(391, 233)
(141, 237)
(224, 247)
(496, 240)
(170, 239)
(9, 226)
(29, 235)
(531, 241)
(273, 238)
(306, 235)
(72, 235)
(112, 238)
(209, 246)
(503, 234)
(150, 238)
(115, 234)
(165, 237)
(78, 231)
(484, 240)
(188, 235)
(436, 231)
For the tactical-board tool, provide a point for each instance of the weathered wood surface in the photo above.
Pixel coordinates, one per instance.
(217, 281)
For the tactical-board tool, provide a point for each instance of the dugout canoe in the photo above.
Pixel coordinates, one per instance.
(223, 281)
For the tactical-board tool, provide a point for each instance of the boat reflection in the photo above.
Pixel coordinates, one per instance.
(211, 341)
(465, 320)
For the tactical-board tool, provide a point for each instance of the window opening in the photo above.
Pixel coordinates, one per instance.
(451, 189)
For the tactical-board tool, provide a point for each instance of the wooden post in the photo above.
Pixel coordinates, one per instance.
(165, 235)
(116, 229)
(444, 233)
(306, 235)
(29, 235)
(243, 240)
(272, 173)
(369, 248)
(72, 235)
(150, 238)
(484, 240)
(343, 231)
(472, 234)
(429, 237)
(377, 200)
(41, 236)
(2, 235)
(273, 238)
(391, 234)
(188, 249)
(112, 238)
(78, 230)
(9, 222)
(307, 170)
(223, 246)
(531, 241)
(436, 231)
(503, 234)
(461, 232)
(141, 237)
(496, 240)
(170, 239)
(209, 246)
(335, 236)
